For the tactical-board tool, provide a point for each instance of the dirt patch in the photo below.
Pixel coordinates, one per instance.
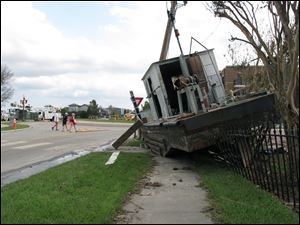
(186, 168)
(153, 184)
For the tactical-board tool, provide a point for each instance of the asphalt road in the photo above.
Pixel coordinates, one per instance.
(38, 143)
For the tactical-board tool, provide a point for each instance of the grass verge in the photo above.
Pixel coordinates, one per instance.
(80, 191)
(236, 200)
(134, 142)
(19, 126)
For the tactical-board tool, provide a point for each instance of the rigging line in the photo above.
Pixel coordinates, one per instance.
(212, 31)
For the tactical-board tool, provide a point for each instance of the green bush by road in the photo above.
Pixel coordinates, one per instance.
(19, 126)
(134, 142)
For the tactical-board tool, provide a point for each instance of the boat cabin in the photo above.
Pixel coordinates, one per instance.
(185, 84)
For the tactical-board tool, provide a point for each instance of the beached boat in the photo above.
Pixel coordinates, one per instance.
(185, 108)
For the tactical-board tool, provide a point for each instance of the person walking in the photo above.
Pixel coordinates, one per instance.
(64, 122)
(55, 120)
(73, 122)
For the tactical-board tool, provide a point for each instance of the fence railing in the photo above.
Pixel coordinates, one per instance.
(265, 151)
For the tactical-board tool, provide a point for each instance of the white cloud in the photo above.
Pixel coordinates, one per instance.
(110, 28)
(49, 64)
(76, 86)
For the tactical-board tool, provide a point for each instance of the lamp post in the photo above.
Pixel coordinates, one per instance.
(23, 102)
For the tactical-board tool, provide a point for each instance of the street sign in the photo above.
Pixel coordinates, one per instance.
(138, 100)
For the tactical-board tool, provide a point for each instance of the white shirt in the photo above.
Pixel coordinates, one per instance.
(56, 119)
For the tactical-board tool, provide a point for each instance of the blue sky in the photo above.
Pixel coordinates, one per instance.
(72, 52)
(77, 18)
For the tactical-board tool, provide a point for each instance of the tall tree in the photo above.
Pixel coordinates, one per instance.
(93, 109)
(277, 45)
(6, 90)
(146, 105)
(64, 110)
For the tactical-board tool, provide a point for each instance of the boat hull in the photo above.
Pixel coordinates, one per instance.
(192, 132)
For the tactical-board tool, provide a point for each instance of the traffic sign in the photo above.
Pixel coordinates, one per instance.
(138, 100)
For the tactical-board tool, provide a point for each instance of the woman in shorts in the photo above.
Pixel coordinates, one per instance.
(73, 122)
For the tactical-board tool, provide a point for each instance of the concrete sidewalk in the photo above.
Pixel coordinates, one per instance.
(171, 195)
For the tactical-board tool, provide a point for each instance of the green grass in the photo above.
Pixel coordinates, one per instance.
(80, 191)
(19, 126)
(134, 142)
(236, 200)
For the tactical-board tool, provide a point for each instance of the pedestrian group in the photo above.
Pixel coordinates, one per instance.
(66, 120)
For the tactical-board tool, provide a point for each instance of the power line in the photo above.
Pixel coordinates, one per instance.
(212, 31)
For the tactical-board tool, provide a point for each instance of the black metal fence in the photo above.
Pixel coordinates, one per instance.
(265, 151)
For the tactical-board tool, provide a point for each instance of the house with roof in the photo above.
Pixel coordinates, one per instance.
(78, 108)
(83, 107)
(73, 108)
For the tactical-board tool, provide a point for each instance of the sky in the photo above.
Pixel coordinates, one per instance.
(73, 52)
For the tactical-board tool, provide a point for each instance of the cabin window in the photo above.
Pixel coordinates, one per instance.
(184, 100)
(214, 93)
(155, 99)
(168, 71)
(198, 100)
(157, 106)
(150, 85)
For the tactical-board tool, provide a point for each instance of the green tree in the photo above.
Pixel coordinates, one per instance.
(64, 110)
(93, 109)
(146, 106)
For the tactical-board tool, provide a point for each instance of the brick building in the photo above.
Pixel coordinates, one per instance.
(236, 75)
(239, 75)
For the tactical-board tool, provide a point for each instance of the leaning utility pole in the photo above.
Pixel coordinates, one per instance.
(166, 42)
(168, 32)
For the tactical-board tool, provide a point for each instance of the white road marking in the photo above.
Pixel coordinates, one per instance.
(13, 143)
(30, 146)
(112, 158)
(59, 147)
